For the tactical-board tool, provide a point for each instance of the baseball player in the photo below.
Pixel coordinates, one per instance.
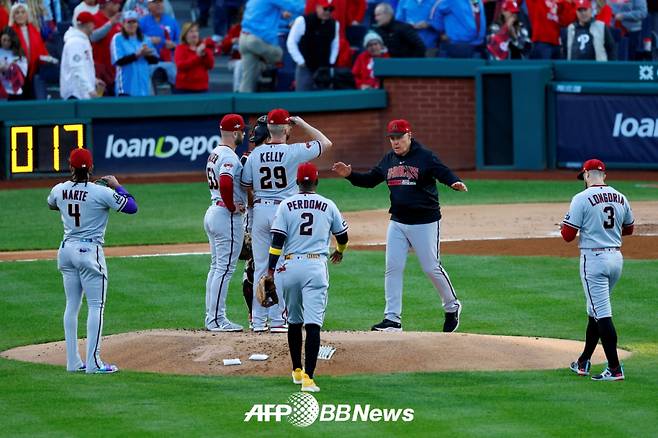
(303, 227)
(602, 215)
(84, 209)
(410, 171)
(223, 221)
(270, 171)
(257, 137)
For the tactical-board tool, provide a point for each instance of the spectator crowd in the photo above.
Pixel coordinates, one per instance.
(95, 48)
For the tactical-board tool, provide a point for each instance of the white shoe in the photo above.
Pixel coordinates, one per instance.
(259, 328)
(226, 326)
(279, 328)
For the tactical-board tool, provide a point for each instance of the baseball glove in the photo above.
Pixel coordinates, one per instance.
(245, 253)
(101, 182)
(266, 291)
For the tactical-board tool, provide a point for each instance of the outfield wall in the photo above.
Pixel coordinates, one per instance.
(505, 115)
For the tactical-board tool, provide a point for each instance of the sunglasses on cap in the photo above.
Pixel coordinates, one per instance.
(328, 8)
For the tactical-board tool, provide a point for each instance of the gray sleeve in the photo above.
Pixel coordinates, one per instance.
(638, 11)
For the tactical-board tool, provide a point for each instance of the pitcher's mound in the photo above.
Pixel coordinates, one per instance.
(202, 352)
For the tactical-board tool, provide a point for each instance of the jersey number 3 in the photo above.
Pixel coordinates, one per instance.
(279, 174)
(610, 222)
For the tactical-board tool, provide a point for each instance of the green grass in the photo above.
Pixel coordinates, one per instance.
(503, 295)
(173, 213)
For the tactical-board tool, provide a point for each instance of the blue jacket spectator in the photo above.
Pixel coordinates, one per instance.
(261, 17)
(417, 13)
(462, 21)
(131, 54)
(162, 29)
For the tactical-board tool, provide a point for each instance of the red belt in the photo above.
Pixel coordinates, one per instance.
(220, 204)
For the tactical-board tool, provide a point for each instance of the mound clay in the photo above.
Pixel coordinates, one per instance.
(201, 352)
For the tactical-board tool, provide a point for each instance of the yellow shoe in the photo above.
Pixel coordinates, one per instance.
(308, 385)
(297, 376)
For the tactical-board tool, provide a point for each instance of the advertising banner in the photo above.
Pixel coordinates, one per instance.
(618, 129)
(154, 145)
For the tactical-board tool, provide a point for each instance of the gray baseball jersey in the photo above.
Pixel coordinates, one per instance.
(224, 161)
(84, 208)
(308, 220)
(271, 168)
(599, 212)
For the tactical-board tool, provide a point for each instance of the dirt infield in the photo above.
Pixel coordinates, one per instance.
(201, 352)
(501, 229)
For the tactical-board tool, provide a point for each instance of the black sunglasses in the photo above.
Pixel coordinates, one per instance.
(329, 8)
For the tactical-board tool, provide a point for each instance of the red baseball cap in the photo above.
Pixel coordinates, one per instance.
(307, 172)
(85, 17)
(398, 127)
(326, 3)
(80, 158)
(592, 164)
(103, 2)
(232, 122)
(278, 116)
(511, 6)
(583, 4)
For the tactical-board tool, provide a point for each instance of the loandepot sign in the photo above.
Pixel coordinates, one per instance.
(162, 147)
(302, 410)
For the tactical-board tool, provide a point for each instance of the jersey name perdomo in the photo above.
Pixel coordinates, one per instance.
(306, 204)
(600, 198)
(74, 195)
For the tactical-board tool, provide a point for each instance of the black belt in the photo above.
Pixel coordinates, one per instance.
(267, 201)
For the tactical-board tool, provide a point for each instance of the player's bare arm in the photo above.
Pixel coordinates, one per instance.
(314, 133)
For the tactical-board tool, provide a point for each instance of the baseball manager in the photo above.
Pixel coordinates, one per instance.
(410, 171)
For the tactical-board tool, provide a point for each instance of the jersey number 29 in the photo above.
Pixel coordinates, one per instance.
(279, 174)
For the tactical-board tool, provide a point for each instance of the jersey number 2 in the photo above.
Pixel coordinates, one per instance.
(610, 223)
(305, 229)
(279, 173)
(74, 212)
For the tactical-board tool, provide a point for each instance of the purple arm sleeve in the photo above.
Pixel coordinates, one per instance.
(131, 206)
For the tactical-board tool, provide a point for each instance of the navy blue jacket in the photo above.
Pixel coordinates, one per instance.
(412, 182)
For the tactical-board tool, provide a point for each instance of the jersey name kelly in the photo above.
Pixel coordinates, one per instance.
(606, 197)
(306, 204)
(74, 195)
(268, 157)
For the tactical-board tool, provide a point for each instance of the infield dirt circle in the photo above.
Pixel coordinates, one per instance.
(528, 229)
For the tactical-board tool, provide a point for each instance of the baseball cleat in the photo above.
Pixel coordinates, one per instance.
(279, 328)
(609, 375)
(297, 376)
(81, 369)
(387, 326)
(259, 328)
(107, 369)
(308, 385)
(581, 370)
(227, 326)
(451, 322)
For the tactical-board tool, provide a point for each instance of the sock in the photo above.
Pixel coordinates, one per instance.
(609, 341)
(591, 340)
(312, 347)
(295, 344)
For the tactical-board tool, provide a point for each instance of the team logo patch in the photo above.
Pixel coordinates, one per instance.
(76, 58)
(308, 145)
(228, 165)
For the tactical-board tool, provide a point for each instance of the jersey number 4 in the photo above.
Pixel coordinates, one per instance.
(275, 177)
(610, 222)
(74, 212)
